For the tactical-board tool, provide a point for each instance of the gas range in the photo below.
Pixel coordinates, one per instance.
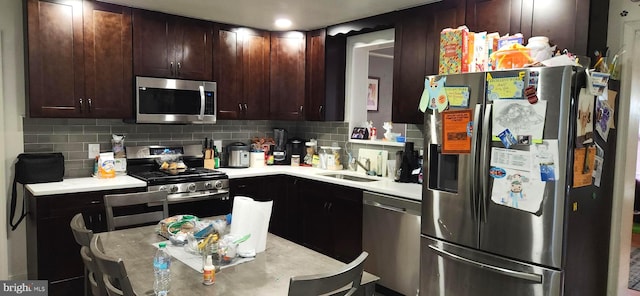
(187, 185)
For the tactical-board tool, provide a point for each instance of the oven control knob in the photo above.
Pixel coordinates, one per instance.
(163, 188)
(218, 185)
(208, 185)
(191, 187)
(173, 189)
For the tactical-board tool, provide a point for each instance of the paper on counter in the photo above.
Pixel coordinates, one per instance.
(195, 260)
(520, 117)
(250, 217)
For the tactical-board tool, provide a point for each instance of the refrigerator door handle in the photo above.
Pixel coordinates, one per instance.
(484, 162)
(533, 277)
(471, 173)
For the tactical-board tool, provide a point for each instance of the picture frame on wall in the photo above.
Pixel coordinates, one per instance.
(373, 93)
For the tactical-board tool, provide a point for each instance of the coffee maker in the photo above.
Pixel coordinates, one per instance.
(280, 148)
(295, 146)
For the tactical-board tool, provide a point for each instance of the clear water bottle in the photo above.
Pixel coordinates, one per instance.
(162, 273)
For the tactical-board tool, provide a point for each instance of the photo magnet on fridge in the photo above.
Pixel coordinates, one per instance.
(507, 138)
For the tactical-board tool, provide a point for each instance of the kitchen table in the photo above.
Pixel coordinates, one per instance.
(268, 274)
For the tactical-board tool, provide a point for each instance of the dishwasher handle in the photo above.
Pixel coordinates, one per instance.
(383, 206)
(391, 203)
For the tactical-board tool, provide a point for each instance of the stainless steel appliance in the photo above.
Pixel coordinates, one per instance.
(238, 154)
(391, 236)
(280, 154)
(163, 100)
(195, 190)
(473, 242)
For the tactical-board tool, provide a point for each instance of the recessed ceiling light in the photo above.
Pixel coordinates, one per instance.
(283, 23)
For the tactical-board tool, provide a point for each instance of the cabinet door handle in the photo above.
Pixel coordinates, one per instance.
(301, 108)
(179, 66)
(95, 202)
(245, 107)
(171, 67)
(320, 110)
(329, 208)
(89, 101)
(242, 186)
(240, 106)
(90, 219)
(80, 100)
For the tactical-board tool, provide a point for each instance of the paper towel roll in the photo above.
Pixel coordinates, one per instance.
(250, 216)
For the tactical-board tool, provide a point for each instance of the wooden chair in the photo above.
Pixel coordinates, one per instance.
(112, 201)
(329, 282)
(94, 276)
(114, 273)
(83, 238)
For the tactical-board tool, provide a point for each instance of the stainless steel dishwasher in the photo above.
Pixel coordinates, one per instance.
(391, 236)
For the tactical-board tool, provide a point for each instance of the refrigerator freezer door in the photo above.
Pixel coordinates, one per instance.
(449, 205)
(447, 269)
(532, 237)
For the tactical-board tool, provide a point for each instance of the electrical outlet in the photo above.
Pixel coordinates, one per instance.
(218, 144)
(94, 150)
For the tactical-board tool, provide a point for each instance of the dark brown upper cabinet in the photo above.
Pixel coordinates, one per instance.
(241, 57)
(172, 46)
(502, 16)
(315, 108)
(416, 52)
(287, 77)
(566, 23)
(79, 59)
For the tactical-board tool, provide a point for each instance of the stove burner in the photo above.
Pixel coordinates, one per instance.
(179, 176)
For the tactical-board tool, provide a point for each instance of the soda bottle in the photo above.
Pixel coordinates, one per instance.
(216, 158)
(161, 264)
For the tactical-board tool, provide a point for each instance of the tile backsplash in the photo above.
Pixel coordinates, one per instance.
(72, 136)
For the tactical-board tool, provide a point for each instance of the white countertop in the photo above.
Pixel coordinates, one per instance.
(74, 185)
(382, 185)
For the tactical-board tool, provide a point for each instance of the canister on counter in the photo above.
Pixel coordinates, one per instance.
(295, 160)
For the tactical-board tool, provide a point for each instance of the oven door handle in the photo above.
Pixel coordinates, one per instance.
(194, 197)
(201, 115)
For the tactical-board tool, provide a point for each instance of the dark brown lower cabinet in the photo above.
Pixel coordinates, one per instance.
(331, 219)
(52, 252)
(280, 189)
(321, 216)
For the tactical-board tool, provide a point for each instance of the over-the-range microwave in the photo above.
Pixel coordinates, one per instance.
(163, 100)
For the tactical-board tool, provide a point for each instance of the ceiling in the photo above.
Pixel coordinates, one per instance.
(261, 14)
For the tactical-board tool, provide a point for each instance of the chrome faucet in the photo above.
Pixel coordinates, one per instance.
(366, 166)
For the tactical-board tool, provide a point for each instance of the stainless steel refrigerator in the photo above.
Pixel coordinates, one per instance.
(473, 242)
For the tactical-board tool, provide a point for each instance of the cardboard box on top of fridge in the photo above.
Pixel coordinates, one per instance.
(480, 61)
(454, 51)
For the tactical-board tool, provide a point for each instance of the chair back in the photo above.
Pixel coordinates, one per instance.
(94, 275)
(152, 198)
(115, 276)
(80, 231)
(329, 282)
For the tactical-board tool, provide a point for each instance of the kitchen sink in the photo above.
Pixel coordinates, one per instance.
(350, 177)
